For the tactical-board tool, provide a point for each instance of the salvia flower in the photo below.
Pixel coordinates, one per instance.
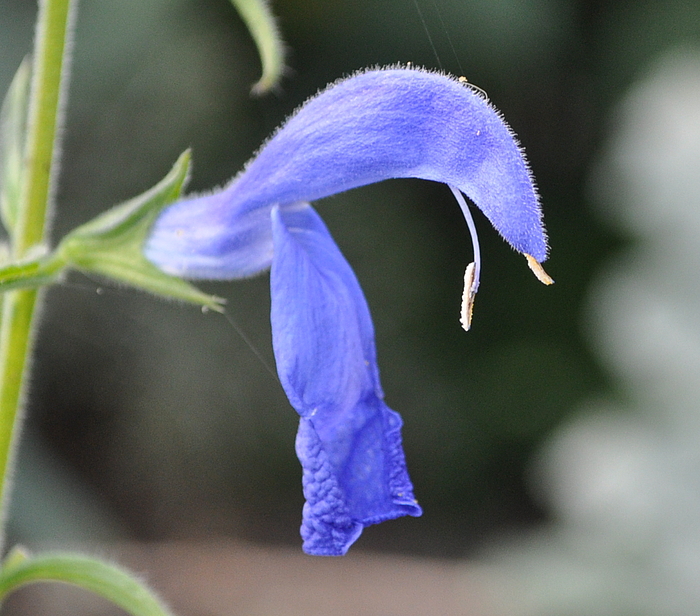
(376, 125)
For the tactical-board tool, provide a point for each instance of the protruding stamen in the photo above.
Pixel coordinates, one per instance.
(538, 270)
(473, 269)
(471, 275)
(468, 295)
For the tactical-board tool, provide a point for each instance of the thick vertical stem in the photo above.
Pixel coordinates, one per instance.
(50, 64)
(15, 347)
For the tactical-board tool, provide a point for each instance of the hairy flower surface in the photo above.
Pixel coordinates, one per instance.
(376, 125)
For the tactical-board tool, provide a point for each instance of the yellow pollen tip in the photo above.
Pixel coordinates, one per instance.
(538, 270)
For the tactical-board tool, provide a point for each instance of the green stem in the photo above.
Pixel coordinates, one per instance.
(50, 61)
(15, 344)
(44, 109)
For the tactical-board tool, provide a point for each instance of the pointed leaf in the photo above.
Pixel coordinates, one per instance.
(108, 581)
(261, 24)
(13, 124)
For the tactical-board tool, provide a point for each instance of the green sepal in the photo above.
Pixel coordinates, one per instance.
(261, 25)
(112, 244)
(108, 581)
(13, 131)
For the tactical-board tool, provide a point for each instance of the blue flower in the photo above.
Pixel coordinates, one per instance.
(373, 126)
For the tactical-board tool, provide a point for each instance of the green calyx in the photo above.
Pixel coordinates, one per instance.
(111, 245)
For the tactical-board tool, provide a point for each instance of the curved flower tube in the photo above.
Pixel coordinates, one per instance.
(376, 125)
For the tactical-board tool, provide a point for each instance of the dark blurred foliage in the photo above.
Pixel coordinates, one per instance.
(168, 414)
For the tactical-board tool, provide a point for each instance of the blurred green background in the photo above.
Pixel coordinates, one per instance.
(152, 420)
